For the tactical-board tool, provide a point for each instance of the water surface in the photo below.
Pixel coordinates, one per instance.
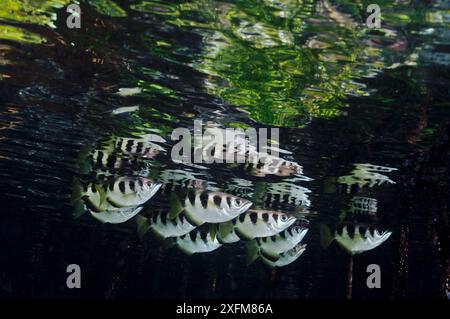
(363, 118)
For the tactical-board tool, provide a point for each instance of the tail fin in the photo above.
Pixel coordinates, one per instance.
(143, 225)
(325, 236)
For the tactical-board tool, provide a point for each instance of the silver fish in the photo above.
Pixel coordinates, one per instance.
(198, 241)
(366, 175)
(272, 165)
(285, 258)
(116, 216)
(138, 146)
(164, 227)
(363, 206)
(105, 160)
(121, 195)
(131, 191)
(261, 223)
(354, 238)
(273, 246)
(213, 207)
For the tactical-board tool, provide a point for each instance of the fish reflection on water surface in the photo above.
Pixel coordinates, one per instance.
(200, 216)
(357, 230)
(349, 101)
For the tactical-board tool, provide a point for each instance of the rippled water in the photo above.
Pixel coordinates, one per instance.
(87, 114)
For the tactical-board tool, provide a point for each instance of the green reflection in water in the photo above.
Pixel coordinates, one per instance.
(278, 59)
(108, 7)
(30, 11)
(283, 61)
(13, 33)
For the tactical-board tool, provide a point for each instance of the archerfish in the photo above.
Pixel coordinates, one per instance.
(163, 226)
(261, 223)
(198, 241)
(285, 258)
(117, 216)
(106, 160)
(142, 147)
(354, 238)
(271, 247)
(272, 165)
(363, 206)
(122, 195)
(213, 207)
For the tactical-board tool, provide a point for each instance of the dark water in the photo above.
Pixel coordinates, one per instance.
(362, 114)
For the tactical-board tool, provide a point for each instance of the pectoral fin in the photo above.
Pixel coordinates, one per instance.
(175, 207)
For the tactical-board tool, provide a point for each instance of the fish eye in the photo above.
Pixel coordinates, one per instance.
(284, 218)
(238, 202)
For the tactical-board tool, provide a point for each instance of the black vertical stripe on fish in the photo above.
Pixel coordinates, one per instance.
(193, 235)
(283, 235)
(351, 231)
(289, 230)
(275, 217)
(119, 144)
(140, 182)
(242, 217)
(273, 238)
(140, 145)
(164, 219)
(229, 201)
(362, 231)
(181, 216)
(154, 218)
(131, 184)
(122, 187)
(191, 197)
(234, 220)
(254, 217)
(217, 200)
(204, 199)
(129, 145)
(99, 161)
(204, 236)
(265, 217)
(339, 229)
(93, 189)
(111, 161)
